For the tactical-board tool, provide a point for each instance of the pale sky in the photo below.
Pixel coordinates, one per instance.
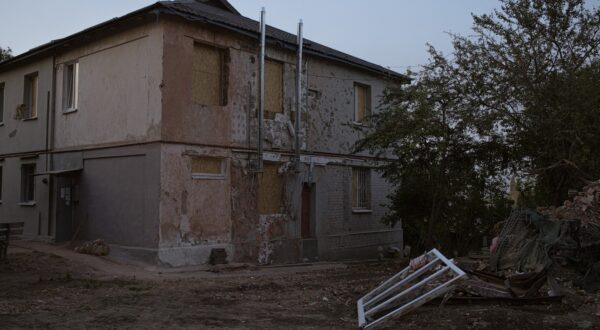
(392, 33)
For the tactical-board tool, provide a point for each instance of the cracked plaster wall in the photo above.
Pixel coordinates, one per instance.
(231, 131)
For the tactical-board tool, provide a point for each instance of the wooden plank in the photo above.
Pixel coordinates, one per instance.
(273, 86)
(270, 190)
(207, 86)
(11, 230)
(207, 165)
(16, 232)
(361, 95)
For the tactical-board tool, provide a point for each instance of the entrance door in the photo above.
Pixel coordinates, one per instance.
(64, 209)
(306, 229)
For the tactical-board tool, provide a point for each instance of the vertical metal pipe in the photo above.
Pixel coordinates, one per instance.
(261, 88)
(50, 128)
(298, 93)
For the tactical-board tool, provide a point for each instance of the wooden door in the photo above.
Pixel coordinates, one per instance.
(306, 211)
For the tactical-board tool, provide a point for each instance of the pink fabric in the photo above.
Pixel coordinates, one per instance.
(494, 245)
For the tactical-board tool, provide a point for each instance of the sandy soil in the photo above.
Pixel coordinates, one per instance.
(39, 290)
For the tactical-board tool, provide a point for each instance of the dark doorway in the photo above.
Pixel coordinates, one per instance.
(66, 186)
(306, 228)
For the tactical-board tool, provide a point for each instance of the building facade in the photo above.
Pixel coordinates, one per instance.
(143, 131)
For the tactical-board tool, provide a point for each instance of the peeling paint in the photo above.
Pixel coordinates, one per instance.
(270, 229)
(136, 87)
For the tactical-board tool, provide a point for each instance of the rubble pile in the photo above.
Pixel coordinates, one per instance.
(544, 256)
(95, 248)
(561, 242)
(584, 207)
(578, 247)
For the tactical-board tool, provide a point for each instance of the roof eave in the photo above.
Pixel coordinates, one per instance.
(54, 44)
(159, 8)
(287, 45)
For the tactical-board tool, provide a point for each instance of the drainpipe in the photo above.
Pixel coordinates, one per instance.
(298, 94)
(50, 115)
(51, 119)
(49, 112)
(261, 89)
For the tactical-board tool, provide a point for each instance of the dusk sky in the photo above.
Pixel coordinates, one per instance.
(392, 33)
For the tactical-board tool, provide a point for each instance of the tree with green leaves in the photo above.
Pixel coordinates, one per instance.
(521, 95)
(533, 69)
(5, 53)
(446, 175)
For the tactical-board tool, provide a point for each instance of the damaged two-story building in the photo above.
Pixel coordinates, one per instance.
(143, 131)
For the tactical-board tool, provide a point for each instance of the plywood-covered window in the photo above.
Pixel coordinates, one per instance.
(208, 82)
(27, 183)
(361, 188)
(273, 88)
(30, 97)
(207, 167)
(362, 102)
(1, 174)
(270, 190)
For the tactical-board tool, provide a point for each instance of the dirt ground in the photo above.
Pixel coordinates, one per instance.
(39, 290)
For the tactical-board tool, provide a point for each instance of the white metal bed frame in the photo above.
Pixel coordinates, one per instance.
(390, 294)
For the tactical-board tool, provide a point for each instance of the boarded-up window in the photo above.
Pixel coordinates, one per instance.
(208, 78)
(270, 190)
(362, 102)
(207, 168)
(361, 188)
(30, 96)
(273, 88)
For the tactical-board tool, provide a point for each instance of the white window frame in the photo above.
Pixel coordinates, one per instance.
(211, 176)
(26, 101)
(75, 91)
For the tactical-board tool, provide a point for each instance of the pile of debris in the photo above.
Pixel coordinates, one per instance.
(563, 242)
(538, 257)
(95, 248)
(578, 246)
(584, 207)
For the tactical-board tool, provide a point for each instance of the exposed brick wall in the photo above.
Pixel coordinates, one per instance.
(345, 234)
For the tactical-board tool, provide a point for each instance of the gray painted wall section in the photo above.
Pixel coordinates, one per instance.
(17, 135)
(35, 216)
(119, 192)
